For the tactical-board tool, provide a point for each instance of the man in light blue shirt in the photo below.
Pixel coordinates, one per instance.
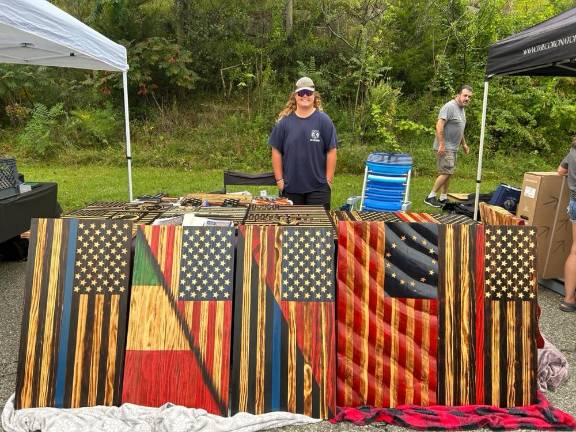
(449, 135)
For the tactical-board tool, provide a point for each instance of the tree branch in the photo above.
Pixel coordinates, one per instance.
(339, 36)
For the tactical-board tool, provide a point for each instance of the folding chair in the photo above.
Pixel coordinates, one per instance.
(386, 184)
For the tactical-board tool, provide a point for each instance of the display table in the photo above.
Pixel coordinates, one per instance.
(17, 211)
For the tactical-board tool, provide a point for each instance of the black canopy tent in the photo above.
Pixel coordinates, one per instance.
(546, 49)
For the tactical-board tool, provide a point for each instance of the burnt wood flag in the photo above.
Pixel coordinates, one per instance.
(178, 347)
(74, 325)
(386, 345)
(457, 301)
(488, 322)
(284, 342)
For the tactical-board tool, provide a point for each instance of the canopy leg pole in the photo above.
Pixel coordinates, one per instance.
(127, 128)
(481, 150)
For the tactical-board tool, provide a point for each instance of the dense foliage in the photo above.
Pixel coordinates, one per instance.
(207, 79)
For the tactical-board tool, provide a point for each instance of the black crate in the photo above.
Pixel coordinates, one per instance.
(8, 173)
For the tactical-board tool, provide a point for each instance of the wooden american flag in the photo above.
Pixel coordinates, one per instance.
(283, 353)
(178, 347)
(487, 352)
(74, 326)
(457, 301)
(387, 341)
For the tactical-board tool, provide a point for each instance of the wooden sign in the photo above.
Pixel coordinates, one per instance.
(436, 314)
(284, 347)
(74, 326)
(178, 347)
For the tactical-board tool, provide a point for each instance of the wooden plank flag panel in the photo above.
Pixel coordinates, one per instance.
(386, 345)
(457, 284)
(369, 215)
(234, 214)
(178, 347)
(399, 216)
(472, 287)
(373, 216)
(453, 218)
(284, 342)
(179, 211)
(381, 216)
(74, 326)
(106, 204)
(415, 217)
(142, 217)
(487, 290)
(341, 215)
(495, 215)
(509, 324)
(127, 206)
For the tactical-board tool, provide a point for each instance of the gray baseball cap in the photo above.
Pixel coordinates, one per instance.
(304, 83)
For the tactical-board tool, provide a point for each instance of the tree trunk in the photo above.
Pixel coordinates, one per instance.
(289, 23)
(181, 8)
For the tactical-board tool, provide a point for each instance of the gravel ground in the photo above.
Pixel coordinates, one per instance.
(558, 327)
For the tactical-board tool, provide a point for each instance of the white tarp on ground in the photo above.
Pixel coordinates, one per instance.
(36, 32)
(135, 418)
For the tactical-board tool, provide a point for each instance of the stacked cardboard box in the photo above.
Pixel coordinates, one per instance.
(543, 204)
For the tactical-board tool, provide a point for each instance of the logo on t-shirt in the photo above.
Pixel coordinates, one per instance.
(315, 135)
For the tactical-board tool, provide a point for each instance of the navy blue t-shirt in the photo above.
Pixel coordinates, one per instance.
(303, 144)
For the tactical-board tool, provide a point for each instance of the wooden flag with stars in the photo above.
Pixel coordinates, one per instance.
(449, 317)
(74, 326)
(206, 264)
(487, 291)
(510, 267)
(307, 266)
(283, 352)
(506, 318)
(387, 337)
(178, 347)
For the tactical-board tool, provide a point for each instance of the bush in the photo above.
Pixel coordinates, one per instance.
(351, 158)
(93, 127)
(42, 134)
(17, 114)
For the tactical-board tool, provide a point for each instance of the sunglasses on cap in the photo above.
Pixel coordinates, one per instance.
(305, 92)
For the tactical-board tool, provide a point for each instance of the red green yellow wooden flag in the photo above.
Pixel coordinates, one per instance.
(178, 347)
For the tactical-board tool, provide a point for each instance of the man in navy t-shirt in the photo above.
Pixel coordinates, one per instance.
(304, 146)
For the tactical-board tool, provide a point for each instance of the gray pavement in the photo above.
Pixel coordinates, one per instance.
(558, 327)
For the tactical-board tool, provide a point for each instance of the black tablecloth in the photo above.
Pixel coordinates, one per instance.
(17, 211)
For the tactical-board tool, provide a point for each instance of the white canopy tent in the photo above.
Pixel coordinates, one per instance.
(35, 32)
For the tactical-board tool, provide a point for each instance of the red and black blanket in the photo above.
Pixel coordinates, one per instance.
(539, 416)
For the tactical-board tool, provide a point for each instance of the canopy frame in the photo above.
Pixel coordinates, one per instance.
(546, 49)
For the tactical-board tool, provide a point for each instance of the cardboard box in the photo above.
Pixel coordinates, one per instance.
(543, 204)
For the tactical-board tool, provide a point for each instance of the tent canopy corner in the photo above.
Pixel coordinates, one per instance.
(35, 32)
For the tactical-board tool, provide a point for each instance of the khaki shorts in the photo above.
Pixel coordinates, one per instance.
(446, 162)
